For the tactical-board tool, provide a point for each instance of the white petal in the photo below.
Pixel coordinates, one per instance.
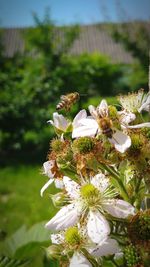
(81, 115)
(97, 227)
(93, 111)
(59, 183)
(65, 217)
(121, 141)
(46, 186)
(57, 238)
(79, 260)
(119, 208)
(47, 166)
(89, 122)
(118, 255)
(83, 131)
(145, 103)
(141, 125)
(103, 108)
(60, 122)
(108, 247)
(126, 117)
(71, 187)
(100, 181)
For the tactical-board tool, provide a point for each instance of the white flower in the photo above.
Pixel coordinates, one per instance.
(145, 105)
(90, 201)
(59, 122)
(106, 247)
(126, 117)
(135, 102)
(89, 126)
(78, 259)
(47, 167)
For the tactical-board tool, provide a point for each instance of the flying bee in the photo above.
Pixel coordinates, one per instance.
(105, 125)
(67, 101)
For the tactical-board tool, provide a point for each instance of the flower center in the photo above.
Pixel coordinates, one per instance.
(90, 195)
(72, 236)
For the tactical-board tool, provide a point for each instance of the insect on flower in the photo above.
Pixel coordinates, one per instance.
(66, 101)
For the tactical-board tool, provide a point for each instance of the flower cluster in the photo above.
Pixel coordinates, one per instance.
(100, 165)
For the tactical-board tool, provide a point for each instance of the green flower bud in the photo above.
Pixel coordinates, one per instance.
(58, 199)
(83, 145)
(139, 227)
(132, 256)
(53, 252)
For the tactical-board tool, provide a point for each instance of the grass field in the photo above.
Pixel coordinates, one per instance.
(20, 200)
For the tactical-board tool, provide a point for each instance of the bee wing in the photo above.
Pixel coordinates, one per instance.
(63, 97)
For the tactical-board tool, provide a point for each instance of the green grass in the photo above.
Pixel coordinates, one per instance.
(20, 200)
(21, 203)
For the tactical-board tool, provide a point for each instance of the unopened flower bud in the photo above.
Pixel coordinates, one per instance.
(139, 228)
(58, 199)
(53, 251)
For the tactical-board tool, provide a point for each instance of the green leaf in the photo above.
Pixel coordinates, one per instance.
(23, 240)
(9, 262)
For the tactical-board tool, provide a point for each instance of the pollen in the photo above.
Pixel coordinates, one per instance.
(90, 195)
(72, 236)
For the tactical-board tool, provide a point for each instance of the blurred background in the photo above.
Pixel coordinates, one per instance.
(49, 48)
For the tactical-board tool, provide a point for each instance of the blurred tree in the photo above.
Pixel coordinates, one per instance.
(135, 36)
(29, 83)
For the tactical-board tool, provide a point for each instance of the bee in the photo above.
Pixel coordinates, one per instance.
(67, 101)
(105, 125)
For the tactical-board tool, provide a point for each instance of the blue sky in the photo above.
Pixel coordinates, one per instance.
(19, 12)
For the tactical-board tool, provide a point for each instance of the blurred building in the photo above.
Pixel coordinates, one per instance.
(92, 38)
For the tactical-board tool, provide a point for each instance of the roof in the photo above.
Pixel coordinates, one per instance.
(91, 39)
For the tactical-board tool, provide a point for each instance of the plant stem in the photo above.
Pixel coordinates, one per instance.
(115, 263)
(119, 182)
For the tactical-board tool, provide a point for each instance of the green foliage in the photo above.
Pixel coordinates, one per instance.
(8, 262)
(135, 37)
(16, 245)
(31, 84)
(24, 245)
(20, 203)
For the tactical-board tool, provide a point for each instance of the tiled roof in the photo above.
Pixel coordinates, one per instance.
(91, 39)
